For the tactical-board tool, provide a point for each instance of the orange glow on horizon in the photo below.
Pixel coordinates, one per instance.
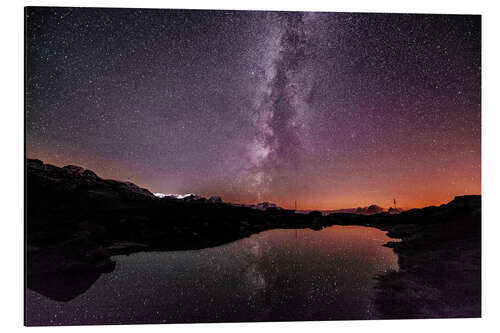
(417, 194)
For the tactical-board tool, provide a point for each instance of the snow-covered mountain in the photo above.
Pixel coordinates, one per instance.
(176, 196)
(216, 199)
(260, 206)
(189, 197)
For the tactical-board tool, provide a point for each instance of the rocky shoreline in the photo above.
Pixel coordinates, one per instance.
(76, 221)
(439, 256)
(440, 267)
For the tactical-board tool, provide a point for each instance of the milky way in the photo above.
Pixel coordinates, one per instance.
(334, 110)
(280, 108)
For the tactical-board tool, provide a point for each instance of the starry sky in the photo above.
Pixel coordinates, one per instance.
(334, 110)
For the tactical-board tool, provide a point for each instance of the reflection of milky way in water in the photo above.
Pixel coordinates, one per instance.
(275, 275)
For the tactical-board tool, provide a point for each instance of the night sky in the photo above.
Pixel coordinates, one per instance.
(334, 110)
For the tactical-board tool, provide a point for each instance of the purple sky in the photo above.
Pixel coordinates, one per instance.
(333, 110)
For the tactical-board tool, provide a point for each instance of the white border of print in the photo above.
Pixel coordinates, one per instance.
(12, 141)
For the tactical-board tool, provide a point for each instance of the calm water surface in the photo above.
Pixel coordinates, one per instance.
(282, 274)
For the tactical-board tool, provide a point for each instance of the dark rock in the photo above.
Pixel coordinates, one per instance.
(315, 214)
(90, 173)
(74, 169)
(469, 201)
(126, 248)
(75, 255)
(63, 287)
(215, 199)
(34, 163)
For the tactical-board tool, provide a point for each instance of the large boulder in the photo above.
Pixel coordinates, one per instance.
(78, 254)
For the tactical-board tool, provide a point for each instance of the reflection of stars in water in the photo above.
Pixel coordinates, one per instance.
(268, 276)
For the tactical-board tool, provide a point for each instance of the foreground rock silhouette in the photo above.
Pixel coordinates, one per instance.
(75, 222)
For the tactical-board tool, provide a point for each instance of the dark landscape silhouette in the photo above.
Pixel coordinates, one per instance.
(77, 221)
(189, 166)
